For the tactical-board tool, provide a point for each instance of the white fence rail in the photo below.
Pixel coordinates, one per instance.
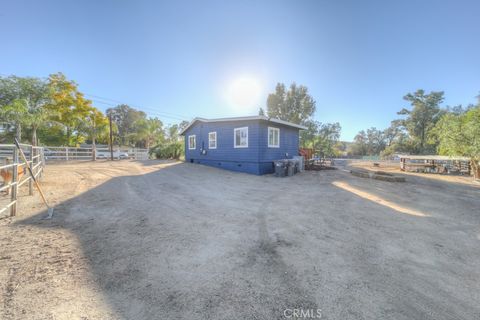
(69, 154)
(15, 174)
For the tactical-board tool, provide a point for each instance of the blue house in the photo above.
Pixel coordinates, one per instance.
(246, 144)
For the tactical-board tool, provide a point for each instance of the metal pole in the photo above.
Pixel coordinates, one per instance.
(30, 183)
(13, 208)
(111, 136)
(66, 153)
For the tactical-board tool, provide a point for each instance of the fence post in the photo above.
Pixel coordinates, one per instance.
(13, 208)
(42, 159)
(30, 183)
(66, 153)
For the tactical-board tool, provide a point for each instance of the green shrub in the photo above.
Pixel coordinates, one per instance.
(172, 150)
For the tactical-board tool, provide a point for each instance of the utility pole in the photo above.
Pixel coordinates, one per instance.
(111, 136)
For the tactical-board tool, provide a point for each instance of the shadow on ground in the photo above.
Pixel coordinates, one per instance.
(192, 242)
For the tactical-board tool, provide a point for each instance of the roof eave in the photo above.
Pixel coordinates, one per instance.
(290, 124)
(286, 123)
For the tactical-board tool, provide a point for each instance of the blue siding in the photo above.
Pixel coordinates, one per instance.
(288, 142)
(256, 159)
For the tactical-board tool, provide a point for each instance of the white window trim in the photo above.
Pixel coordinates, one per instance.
(235, 135)
(214, 132)
(194, 142)
(268, 137)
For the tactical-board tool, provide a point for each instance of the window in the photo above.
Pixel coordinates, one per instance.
(212, 140)
(191, 143)
(273, 137)
(240, 138)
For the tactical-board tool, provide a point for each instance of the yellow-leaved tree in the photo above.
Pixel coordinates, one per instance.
(69, 106)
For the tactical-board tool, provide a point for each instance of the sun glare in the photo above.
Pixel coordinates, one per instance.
(244, 92)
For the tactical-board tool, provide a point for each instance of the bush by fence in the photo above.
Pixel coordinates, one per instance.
(172, 150)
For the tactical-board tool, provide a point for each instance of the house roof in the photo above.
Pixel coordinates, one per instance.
(285, 123)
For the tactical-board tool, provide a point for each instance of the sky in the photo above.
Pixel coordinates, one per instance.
(177, 60)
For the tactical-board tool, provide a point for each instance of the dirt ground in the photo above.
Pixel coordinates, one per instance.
(394, 167)
(159, 240)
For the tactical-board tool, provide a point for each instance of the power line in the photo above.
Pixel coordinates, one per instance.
(151, 110)
(156, 113)
(114, 103)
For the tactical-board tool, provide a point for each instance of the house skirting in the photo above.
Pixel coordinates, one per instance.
(258, 168)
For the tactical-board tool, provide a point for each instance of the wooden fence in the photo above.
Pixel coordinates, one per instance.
(15, 173)
(69, 154)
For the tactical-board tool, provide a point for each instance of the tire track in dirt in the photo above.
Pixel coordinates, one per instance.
(9, 292)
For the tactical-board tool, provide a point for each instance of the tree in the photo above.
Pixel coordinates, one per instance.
(359, 146)
(150, 131)
(375, 141)
(422, 118)
(125, 118)
(52, 134)
(12, 108)
(93, 125)
(396, 140)
(182, 125)
(39, 117)
(23, 103)
(294, 105)
(459, 135)
(172, 146)
(370, 142)
(308, 137)
(321, 137)
(15, 113)
(328, 137)
(173, 133)
(391, 133)
(68, 104)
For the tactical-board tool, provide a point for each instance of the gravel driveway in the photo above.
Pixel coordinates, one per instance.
(147, 240)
